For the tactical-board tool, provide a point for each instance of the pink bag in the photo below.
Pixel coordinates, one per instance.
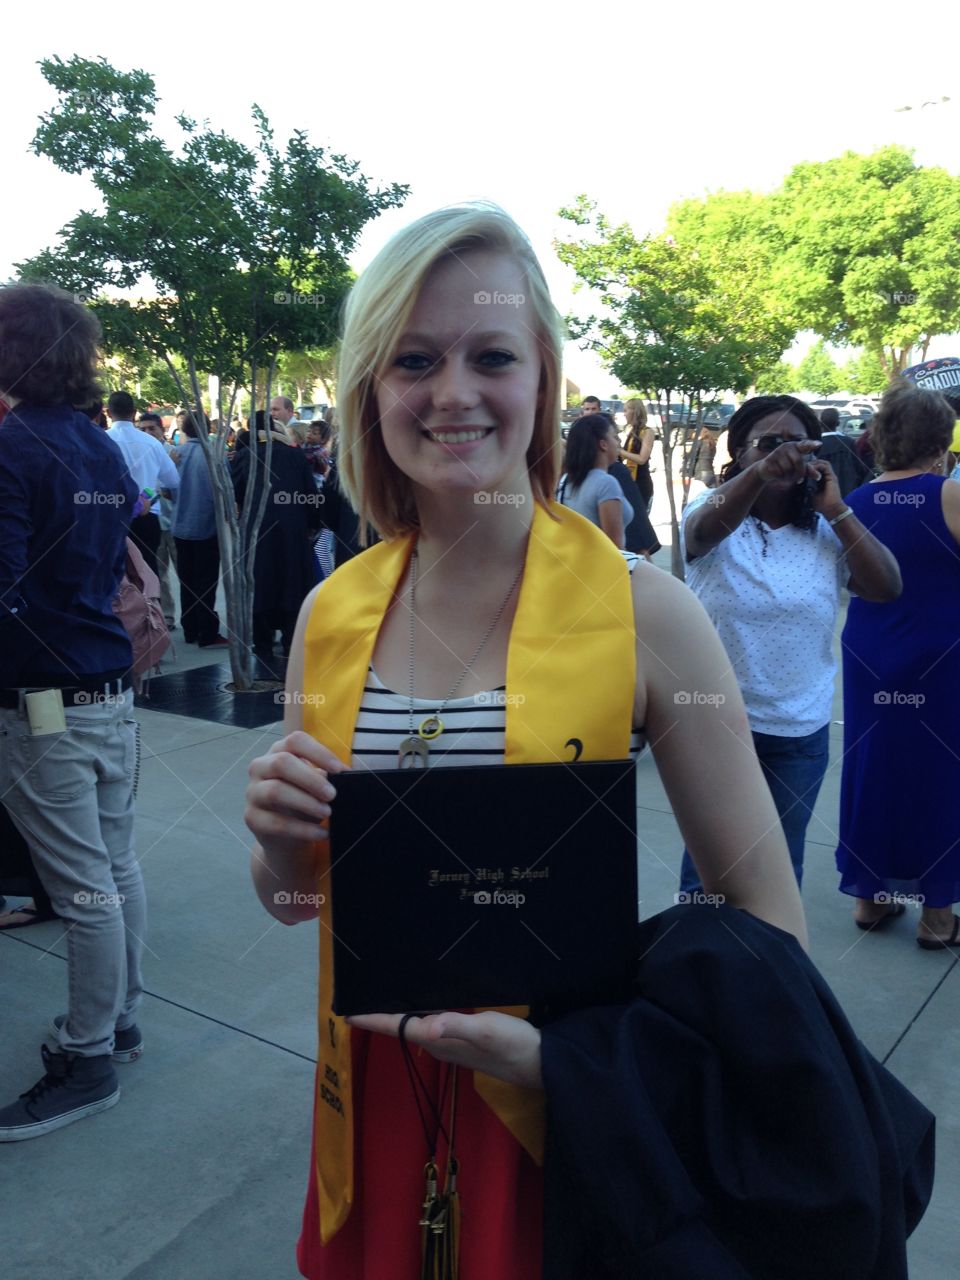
(137, 605)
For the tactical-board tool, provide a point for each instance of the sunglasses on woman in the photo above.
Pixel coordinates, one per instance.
(767, 444)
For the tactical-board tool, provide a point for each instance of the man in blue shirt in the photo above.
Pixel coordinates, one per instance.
(68, 740)
(149, 466)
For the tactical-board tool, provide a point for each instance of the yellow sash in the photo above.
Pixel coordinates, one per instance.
(572, 656)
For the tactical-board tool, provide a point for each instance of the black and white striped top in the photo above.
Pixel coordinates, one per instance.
(474, 728)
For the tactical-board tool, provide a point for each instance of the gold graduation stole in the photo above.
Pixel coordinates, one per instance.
(572, 655)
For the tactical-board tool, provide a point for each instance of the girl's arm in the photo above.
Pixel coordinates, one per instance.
(647, 438)
(610, 513)
(688, 700)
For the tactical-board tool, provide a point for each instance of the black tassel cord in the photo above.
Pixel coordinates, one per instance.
(441, 1216)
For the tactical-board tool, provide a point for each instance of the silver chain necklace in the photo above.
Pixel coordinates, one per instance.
(414, 750)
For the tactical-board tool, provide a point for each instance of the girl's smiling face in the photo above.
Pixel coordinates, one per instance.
(458, 402)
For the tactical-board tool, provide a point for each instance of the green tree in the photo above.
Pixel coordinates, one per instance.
(733, 234)
(864, 374)
(817, 372)
(870, 251)
(304, 370)
(779, 380)
(672, 322)
(218, 253)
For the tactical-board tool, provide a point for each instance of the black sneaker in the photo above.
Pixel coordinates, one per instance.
(127, 1044)
(72, 1087)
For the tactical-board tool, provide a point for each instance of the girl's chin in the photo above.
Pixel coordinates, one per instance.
(478, 491)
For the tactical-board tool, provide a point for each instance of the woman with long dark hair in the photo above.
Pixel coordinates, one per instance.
(767, 553)
(592, 447)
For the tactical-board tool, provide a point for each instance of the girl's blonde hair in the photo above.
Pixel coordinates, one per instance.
(377, 311)
(639, 410)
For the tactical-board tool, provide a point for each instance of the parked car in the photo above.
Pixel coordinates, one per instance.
(307, 412)
(717, 416)
(845, 404)
(851, 424)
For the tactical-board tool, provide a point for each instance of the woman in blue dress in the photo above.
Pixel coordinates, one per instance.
(901, 770)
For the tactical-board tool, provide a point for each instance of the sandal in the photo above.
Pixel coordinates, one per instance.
(884, 920)
(31, 914)
(934, 944)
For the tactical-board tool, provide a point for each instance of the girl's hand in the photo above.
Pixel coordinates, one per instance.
(290, 791)
(497, 1044)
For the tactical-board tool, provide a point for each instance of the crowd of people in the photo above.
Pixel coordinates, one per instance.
(452, 620)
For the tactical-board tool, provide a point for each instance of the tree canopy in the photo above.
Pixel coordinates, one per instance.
(870, 251)
(677, 322)
(231, 253)
(860, 249)
(217, 257)
(817, 372)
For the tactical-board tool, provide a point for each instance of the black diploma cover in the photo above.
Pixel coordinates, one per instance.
(462, 887)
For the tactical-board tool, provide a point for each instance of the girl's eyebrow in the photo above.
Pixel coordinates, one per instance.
(426, 339)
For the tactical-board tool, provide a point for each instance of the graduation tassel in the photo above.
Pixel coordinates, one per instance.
(440, 1216)
(431, 1225)
(450, 1240)
(450, 1262)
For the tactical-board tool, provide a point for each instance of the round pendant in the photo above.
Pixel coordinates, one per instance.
(430, 728)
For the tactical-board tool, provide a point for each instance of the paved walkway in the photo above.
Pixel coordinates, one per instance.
(199, 1172)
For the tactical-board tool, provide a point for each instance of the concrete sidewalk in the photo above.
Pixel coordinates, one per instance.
(199, 1172)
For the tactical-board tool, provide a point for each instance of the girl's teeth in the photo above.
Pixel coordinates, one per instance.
(456, 437)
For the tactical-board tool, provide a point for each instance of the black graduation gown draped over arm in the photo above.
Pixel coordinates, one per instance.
(727, 1124)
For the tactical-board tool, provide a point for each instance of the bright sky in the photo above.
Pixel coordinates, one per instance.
(523, 103)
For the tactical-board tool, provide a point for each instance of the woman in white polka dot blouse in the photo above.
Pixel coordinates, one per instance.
(767, 553)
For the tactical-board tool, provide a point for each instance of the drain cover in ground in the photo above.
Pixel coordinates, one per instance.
(200, 694)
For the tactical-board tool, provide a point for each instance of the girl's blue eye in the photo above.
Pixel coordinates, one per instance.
(413, 362)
